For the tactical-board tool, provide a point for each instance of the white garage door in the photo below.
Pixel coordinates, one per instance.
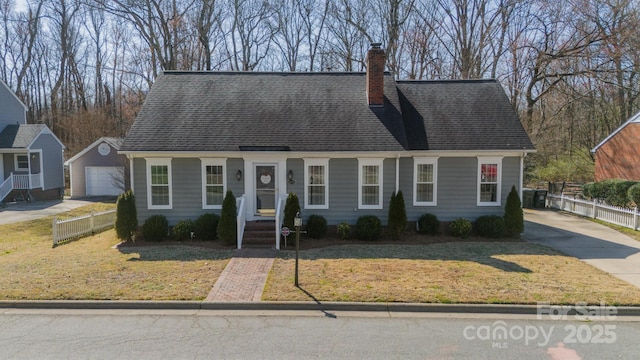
(103, 180)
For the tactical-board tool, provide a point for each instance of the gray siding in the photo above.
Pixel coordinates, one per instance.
(52, 161)
(237, 187)
(12, 109)
(94, 158)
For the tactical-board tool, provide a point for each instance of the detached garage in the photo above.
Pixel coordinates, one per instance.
(99, 170)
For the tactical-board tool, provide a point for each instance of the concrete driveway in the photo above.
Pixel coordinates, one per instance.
(30, 211)
(595, 244)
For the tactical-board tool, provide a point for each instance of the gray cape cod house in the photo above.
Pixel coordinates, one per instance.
(343, 142)
(31, 156)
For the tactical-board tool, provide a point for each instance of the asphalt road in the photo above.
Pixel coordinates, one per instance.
(122, 334)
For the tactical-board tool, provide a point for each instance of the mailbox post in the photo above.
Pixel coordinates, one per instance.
(297, 223)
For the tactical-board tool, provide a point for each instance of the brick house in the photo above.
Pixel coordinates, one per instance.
(618, 155)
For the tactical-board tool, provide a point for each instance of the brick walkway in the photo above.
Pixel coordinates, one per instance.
(244, 276)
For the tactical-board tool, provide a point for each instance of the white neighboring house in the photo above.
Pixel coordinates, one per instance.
(98, 170)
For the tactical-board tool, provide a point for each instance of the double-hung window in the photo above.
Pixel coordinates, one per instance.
(425, 172)
(316, 188)
(370, 183)
(21, 162)
(489, 181)
(213, 183)
(159, 184)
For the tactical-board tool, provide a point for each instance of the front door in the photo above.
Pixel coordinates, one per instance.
(265, 185)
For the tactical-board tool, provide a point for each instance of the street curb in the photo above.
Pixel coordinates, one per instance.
(309, 305)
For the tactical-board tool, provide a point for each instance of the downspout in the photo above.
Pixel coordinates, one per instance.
(397, 173)
(131, 182)
(524, 154)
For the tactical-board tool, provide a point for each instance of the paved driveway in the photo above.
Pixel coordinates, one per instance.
(595, 244)
(29, 211)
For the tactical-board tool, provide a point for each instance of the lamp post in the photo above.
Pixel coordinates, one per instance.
(297, 223)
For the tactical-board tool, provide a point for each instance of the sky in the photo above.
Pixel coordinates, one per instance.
(21, 5)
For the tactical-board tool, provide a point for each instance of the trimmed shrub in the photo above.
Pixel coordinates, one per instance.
(460, 228)
(155, 228)
(634, 194)
(182, 230)
(344, 230)
(397, 215)
(368, 228)
(618, 197)
(126, 216)
(316, 226)
(428, 224)
(291, 208)
(513, 216)
(611, 191)
(228, 218)
(206, 226)
(491, 226)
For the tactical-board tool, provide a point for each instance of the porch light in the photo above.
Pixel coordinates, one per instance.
(290, 177)
(239, 175)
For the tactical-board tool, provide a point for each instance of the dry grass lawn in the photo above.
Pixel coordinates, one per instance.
(90, 268)
(455, 272)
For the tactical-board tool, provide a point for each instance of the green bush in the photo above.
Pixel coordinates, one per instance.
(344, 230)
(618, 197)
(206, 226)
(397, 215)
(428, 224)
(183, 229)
(612, 191)
(227, 230)
(316, 226)
(491, 226)
(460, 228)
(513, 216)
(155, 228)
(634, 194)
(368, 227)
(291, 208)
(126, 216)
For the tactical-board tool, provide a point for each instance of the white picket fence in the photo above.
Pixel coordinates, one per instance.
(612, 214)
(65, 230)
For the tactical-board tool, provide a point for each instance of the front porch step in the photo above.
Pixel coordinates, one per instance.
(259, 234)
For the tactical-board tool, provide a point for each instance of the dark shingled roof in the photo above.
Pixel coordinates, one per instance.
(19, 136)
(234, 111)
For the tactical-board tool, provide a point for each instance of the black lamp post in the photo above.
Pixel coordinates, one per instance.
(297, 223)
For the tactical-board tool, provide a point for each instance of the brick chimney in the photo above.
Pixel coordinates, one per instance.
(375, 75)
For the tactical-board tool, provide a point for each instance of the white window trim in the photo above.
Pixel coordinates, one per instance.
(425, 161)
(213, 162)
(159, 162)
(316, 162)
(490, 160)
(15, 162)
(371, 162)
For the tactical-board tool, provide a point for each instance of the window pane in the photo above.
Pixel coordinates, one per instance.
(370, 175)
(214, 175)
(370, 195)
(425, 173)
(159, 175)
(316, 175)
(489, 173)
(316, 195)
(424, 192)
(214, 195)
(488, 192)
(160, 195)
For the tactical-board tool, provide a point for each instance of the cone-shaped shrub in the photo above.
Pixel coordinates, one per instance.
(397, 215)
(291, 207)
(228, 217)
(126, 216)
(513, 216)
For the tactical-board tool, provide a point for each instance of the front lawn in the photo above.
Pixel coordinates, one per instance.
(454, 272)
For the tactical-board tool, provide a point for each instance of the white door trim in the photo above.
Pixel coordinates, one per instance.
(250, 162)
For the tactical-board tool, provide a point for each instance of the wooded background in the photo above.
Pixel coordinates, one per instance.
(569, 67)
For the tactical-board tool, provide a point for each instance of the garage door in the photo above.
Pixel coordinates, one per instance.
(103, 180)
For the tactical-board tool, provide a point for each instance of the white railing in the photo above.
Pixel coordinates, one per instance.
(65, 230)
(629, 218)
(241, 220)
(279, 218)
(21, 182)
(6, 187)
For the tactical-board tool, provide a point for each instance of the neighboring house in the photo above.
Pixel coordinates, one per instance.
(618, 155)
(99, 170)
(31, 156)
(343, 142)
